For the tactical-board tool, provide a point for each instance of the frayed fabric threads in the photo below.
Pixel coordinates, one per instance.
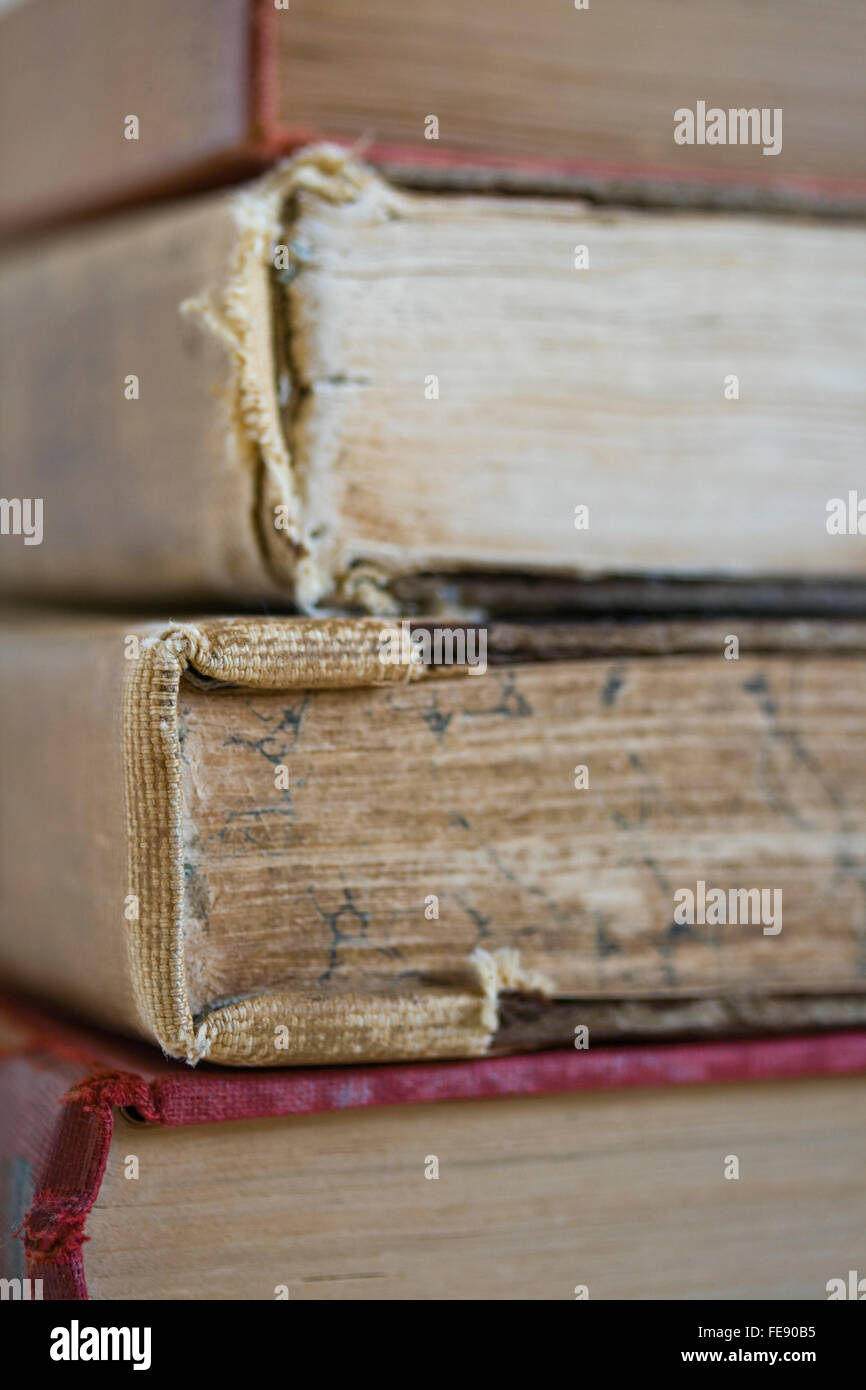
(241, 316)
(454, 1018)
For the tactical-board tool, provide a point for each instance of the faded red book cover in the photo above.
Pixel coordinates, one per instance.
(539, 96)
(60, 1087)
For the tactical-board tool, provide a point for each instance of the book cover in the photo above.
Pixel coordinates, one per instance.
(326, 389)
(270, 841)
(78, 1107)
(155, 100)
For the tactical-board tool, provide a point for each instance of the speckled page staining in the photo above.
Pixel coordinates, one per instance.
(743, 774)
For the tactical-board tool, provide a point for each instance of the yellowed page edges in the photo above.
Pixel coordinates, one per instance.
(453, 1019)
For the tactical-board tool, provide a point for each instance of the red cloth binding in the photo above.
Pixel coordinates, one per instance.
(60, 1086)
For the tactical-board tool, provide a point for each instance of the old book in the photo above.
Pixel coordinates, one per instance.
(271, 841)
(325, 386)
(599, 1173)
(578, 96)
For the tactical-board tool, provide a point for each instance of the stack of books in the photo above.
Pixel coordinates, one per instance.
(433, 841)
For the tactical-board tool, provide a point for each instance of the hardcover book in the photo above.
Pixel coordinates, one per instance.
(103, 101)
(325, 388)
(289, 841)
(463, 934)
(127, 1177)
